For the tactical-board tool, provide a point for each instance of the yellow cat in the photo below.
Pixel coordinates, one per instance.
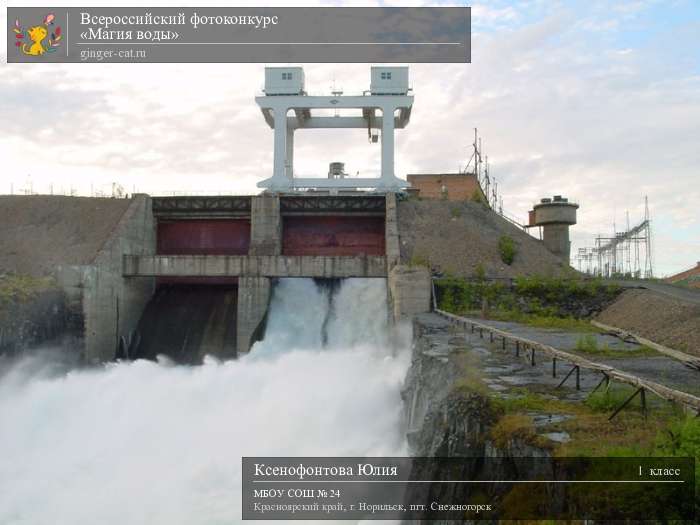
(36, 34)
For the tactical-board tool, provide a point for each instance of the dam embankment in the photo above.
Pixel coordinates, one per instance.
(40, 232)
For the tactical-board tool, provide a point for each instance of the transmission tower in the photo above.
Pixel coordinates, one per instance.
(627, 253)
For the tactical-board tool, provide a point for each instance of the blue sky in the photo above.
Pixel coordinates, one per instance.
(598, 101)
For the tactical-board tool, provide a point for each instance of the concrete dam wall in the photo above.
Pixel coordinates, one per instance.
(221, 256)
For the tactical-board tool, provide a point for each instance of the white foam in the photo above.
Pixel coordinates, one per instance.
(144, 442)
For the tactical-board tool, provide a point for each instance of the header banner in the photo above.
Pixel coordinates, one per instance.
(238, 35)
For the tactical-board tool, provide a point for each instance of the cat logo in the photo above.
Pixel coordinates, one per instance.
(38, 40)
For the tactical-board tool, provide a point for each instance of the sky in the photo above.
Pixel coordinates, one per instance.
(596, 101)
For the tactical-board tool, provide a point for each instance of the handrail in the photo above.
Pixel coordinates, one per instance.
(658, 389)
(688, 360)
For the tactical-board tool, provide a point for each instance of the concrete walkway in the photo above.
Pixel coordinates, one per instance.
(658, 368)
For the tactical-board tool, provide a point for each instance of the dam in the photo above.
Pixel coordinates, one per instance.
(119, 265)
(235, 248)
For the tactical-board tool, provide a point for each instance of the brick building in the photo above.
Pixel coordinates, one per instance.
(448, 186)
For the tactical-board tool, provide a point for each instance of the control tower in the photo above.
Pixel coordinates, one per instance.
(555, 215)
(286, 107)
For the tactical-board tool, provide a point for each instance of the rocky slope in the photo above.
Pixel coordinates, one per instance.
(661, 318)
(459, 237)
(40, 232)
(34, 312)
(449, 416)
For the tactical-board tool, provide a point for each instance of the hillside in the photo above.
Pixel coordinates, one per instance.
(663, 319)
(458, 237)
(40, 231)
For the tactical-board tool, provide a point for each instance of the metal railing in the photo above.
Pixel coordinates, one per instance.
(609, 373)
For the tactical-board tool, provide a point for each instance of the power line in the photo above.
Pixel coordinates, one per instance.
(624, 254)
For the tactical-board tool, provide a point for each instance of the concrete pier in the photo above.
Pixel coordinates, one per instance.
(409, 287)
(391, 231)
(112, 305)
(254, 285)
(266, 225)
(409, 291)
(253, 301)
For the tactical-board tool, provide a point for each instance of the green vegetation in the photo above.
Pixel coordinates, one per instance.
(15, 288)
(524, 400)
(458, 295)
(419, 260)
(688, 282)
(545, 321)
(517, 426)
(682, 438)
(470, 378)
(588, 344)
(554, 289)
(455, 212)
(548, 302)
(666, 431)
(607, 400)
(477, 196)
(507, 249)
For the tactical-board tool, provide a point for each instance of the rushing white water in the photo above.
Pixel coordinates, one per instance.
(144, 442)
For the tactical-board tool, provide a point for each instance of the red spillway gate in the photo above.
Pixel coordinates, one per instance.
(301, 235)
(333, 235)
(204, 237)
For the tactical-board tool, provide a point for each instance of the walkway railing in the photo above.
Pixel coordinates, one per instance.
(530, 348)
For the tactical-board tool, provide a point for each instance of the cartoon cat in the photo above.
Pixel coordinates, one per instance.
(36, 34)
